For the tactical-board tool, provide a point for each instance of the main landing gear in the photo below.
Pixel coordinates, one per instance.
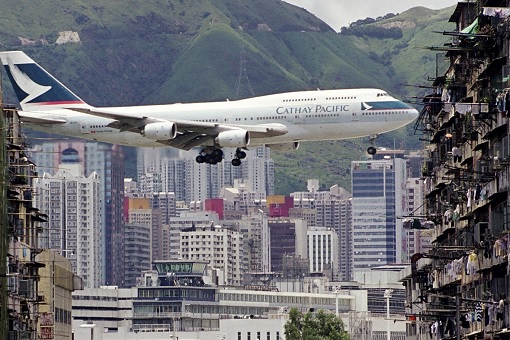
(371, 149)
(214, 156)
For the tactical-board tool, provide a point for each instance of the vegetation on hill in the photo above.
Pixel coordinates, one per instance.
(165, 51)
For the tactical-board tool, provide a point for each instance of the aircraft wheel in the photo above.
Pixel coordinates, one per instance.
(236, 162)
(218, 153)
(208, 158)
(240, 154)
(371, 150)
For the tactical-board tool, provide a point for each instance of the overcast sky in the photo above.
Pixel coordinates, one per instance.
(338, 13)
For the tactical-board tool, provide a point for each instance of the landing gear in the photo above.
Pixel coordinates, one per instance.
(240, 154)
(371, 149)
(210, 155)
(213, 156)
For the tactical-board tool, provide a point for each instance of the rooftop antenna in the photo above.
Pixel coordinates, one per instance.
(243, 85)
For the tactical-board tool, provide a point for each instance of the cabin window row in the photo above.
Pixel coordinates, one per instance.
(299, 100)
(382, 113)
(323, 115)
(268, 118)
(340, 98)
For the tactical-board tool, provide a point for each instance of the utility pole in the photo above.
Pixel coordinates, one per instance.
(3, 220)
(387, 295)
(457, 315)
(243, 85)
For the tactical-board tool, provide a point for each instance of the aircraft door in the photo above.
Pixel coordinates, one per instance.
(84, 127)
(298, 118)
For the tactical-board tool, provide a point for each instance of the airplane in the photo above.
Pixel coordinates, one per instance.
(279, 121)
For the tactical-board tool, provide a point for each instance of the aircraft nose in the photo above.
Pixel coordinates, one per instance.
(413, 114)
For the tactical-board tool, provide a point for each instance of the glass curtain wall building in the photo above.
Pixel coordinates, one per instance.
(378, 199)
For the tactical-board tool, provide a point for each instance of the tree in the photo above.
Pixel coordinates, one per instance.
(314, 326)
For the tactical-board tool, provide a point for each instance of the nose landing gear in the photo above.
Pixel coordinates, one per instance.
(371, 150)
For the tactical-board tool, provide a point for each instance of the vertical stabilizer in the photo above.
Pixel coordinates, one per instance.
(35, 88)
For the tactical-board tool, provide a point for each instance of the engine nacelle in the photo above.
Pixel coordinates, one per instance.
(284, 146)
(160, 130)
(233, 138)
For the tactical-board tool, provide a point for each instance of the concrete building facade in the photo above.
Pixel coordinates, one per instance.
(221, 247)
(74, 208)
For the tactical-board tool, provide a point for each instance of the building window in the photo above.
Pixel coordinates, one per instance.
(248, 336)
(239, 336)
(268, 335)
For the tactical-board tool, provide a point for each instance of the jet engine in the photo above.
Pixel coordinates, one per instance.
(233, 138)
(160, 130)
(284, 146)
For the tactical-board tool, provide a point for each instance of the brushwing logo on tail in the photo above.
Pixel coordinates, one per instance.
(27, 85)
(34, 86)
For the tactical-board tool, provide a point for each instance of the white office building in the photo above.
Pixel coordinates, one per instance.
(322, 250)
(223, 248)
(172, 232)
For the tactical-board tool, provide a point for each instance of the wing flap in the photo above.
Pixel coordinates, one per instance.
(40, 118)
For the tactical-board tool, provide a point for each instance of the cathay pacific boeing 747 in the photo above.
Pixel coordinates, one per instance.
(279, 121)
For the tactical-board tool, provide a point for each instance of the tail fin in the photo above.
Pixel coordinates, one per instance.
(35, 88)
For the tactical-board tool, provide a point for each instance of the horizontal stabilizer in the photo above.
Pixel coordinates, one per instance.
(40, 118)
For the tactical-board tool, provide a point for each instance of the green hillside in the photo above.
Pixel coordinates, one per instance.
(158, 51)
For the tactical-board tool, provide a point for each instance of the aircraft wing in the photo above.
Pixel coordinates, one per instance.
(189, 133)
(39, 118)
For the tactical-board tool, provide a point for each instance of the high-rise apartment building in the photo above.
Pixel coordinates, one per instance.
(137, 254)
(138, 211)
(329, 209)
(287, 238)
(254, 228)
(416, 239)
(185, 220)
(73, 205)
(108, 162)
(223, 248)
(164, 202)
(177, 171)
